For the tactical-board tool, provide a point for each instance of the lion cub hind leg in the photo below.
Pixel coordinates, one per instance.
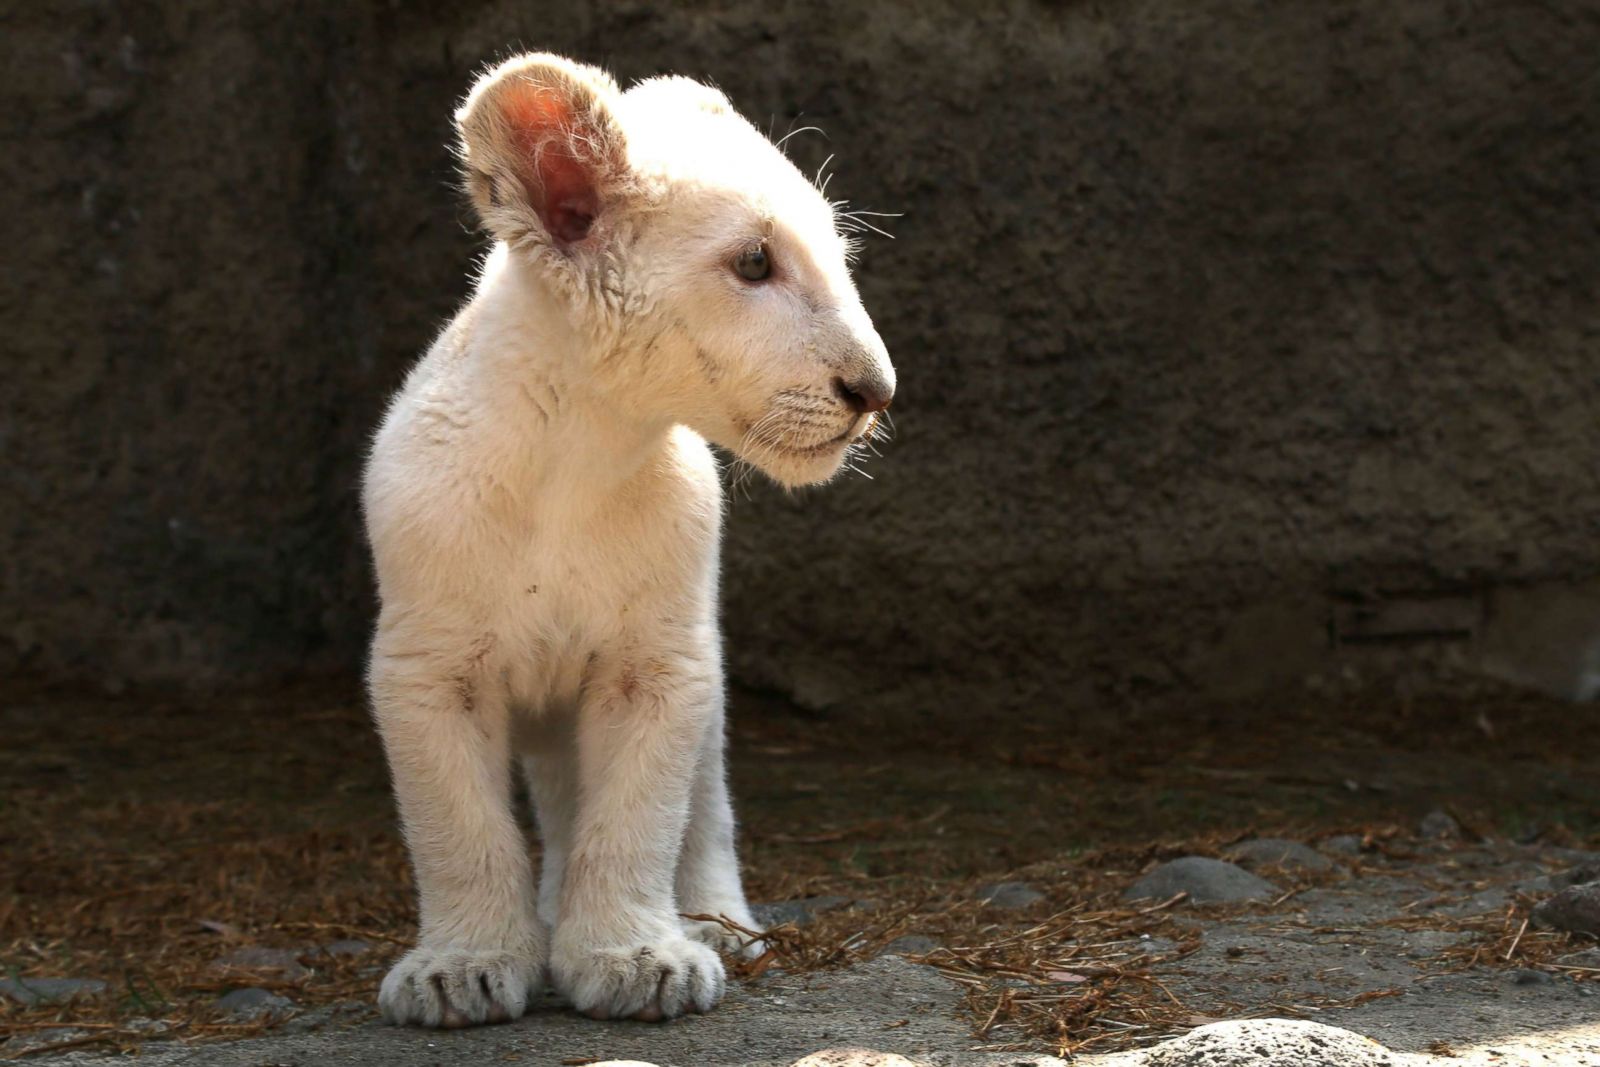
(480, 951)
(550, 768)
(620, 950)
(707, 878)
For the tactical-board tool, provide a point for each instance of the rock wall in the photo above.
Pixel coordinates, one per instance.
(1220, 324)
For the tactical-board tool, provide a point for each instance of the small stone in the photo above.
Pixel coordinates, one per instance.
(1531, 977)
(143, 1024)
(1279, 852)
(1156, 946)
(30, 991)
(1427, 944)
(1576, 857)
(347, 948)
(26, 1042)
(280, 961)
(253, 1003)
(1009, 895)
(1582, 874)
(1207, 881)
(1439, 826)
(800, 912)
(1343, 844)
(855, 1057)
(308, 1021)
(911, 945)
(1575, 909)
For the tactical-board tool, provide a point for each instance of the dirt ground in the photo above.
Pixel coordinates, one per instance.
(144, 839)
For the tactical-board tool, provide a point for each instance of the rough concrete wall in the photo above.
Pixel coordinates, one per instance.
(1211, 317)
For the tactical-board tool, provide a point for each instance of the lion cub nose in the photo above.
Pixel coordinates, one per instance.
(863, 396)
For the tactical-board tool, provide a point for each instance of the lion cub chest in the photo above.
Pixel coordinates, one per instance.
(637, 567)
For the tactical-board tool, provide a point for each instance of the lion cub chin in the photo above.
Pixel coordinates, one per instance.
(544, 513)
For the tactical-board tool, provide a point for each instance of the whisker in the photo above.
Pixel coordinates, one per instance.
(804, 129)
(874, 229)
(854, 466)
(820, 171)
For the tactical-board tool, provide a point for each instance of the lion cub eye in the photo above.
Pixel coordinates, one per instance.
(753, 264)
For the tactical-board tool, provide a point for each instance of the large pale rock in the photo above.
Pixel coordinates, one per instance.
(855, 1057)
(1262, 1043)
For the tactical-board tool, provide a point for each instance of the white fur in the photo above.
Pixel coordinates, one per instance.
(545, 513)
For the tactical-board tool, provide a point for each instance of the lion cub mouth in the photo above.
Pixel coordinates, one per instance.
(854, 432)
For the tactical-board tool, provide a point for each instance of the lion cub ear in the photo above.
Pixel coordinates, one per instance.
(542, 150)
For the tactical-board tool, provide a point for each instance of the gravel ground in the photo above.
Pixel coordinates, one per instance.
(207, 894)
(1380, 950)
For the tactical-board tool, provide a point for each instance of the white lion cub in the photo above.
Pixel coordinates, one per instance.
(545, 512)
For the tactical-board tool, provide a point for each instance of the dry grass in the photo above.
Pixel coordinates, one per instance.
(153, 926)
(144, 850)
(1077, 978)
(1506, 939)
(1080, 979)
(1078, 971)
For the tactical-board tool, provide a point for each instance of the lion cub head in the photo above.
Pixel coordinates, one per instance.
(710, 274)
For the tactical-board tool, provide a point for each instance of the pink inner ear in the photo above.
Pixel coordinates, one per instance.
(561, 187)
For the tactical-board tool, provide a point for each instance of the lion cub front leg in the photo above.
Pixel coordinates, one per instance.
(480, 951)
(620, 949)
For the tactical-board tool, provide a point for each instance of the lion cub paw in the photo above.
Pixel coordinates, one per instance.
(646, 982)
(454, 987)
